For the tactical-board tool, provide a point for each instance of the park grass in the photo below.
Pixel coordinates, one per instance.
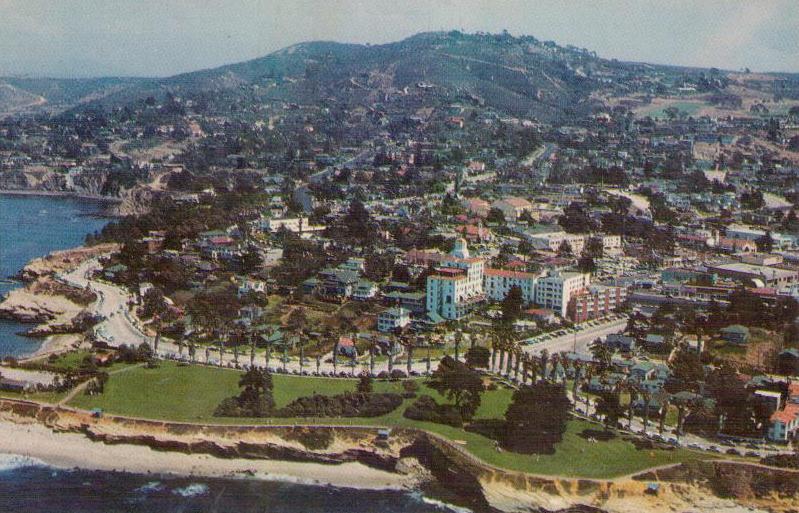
(191, 393)
(48, 397)
(686, 107)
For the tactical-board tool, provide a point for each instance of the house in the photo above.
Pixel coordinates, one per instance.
(513, 207)
(413, 301)
(654, 342)
(735, 334)
(476, 207)
(346, 347)
(115, 270)
(248, 285)
(622, 343)
(642, 371)
(16, 385)
(784, 423)
(541, 315)
(392, 319)
(337, 282)
(788, 362)
(364, 289)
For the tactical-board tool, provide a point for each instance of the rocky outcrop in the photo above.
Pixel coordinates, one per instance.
(56, 308)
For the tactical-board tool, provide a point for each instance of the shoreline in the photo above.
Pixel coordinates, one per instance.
(72, 450)
(60, 194)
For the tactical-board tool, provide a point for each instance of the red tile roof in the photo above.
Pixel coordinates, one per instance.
(509, 274)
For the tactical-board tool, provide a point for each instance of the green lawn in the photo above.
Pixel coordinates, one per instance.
(191, 393)
(42, 397)
(687, 108)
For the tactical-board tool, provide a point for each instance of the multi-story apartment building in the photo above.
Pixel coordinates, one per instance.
(595, 301)
(498, 282)
(555, 289)
(552, 241)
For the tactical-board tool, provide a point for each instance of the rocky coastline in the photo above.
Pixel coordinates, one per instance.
(412, 458)
(53, 306)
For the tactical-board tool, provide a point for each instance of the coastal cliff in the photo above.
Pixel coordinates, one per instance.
(53, 305)
(88, 183)
(437, 466)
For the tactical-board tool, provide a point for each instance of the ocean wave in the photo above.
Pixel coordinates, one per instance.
(10, 462)
(152, 486)
(193, 490)
(439, 504)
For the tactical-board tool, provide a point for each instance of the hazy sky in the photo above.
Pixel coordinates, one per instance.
(164, 37)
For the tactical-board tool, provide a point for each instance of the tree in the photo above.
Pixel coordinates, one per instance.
(765, 244)
(576, 219)
(365, 384)
(536, 418)
(565, 249)
(478, 357)
(495, 215)
(512, 304)
(609, 406)
(603, 355)
(458, 383)
(586, 264)
(251, 261)
(255, 399)
(687, 370)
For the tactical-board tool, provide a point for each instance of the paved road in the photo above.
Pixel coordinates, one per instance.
(578, 342)
(119, 326)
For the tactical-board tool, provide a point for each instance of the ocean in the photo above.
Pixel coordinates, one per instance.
(32, 226)
(28, 486)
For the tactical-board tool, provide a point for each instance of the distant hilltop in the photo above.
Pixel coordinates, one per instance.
(518, 76)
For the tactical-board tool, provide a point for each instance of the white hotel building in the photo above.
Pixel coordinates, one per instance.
(460, 282)
(457, 284)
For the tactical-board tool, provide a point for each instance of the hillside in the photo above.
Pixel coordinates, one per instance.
(518, 76)
(54, 95)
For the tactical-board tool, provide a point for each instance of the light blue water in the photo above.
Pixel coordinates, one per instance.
(32, 226)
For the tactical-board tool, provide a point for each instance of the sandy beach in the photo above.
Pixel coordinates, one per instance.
(70, 450)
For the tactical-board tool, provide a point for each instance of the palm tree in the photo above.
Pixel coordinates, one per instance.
(391, 343)
(252, 350)
(646, 396)
(269, 331)
(428, 359)
(494, 348)
(664, 410)
(408, 343)
(544, 361)
(335, 357)
(302, 356)
(458, 340)
(633, 389)
(372, 348)
(576, 383)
